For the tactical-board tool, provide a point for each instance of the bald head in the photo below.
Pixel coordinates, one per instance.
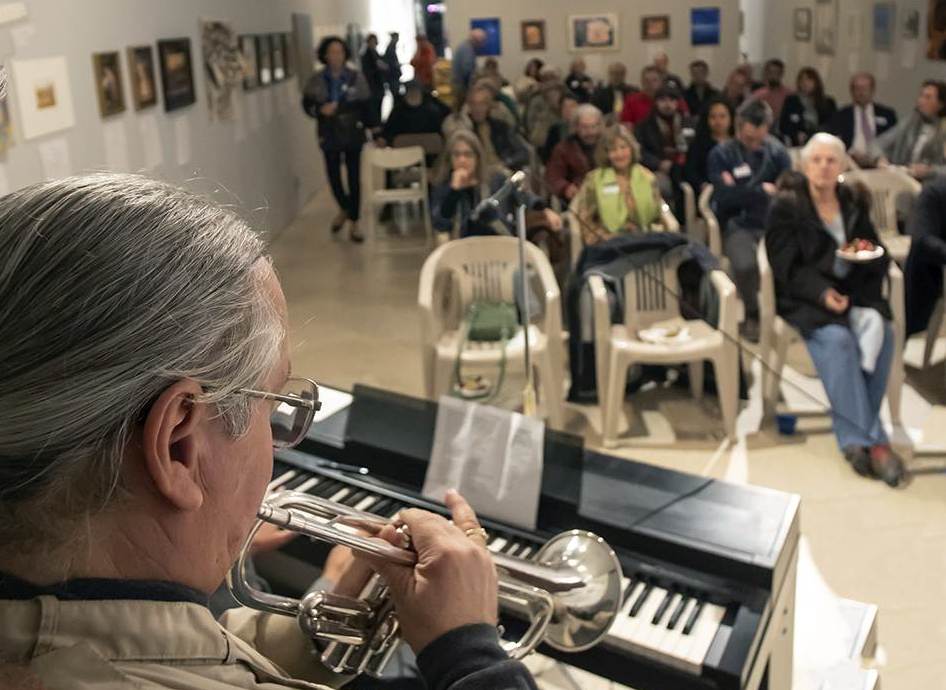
(478, 37)
(662, 62)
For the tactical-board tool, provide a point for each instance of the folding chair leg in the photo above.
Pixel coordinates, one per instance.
(551, 390)
(774, 379)
(443, 376)
(696, 379)
(932, 332)
(726, 366)
(613, 401)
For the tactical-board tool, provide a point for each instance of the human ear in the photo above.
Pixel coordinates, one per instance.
(170, 444)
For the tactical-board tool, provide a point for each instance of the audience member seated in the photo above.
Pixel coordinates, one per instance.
(743, 172)
(859, 124)
(562, 128)
(919, 141)
(503, 148)
(416, 112)
(528, 82)
(620, 195)
(504, 105)
(639, 104)
(838, 306)
(609, 98)
(578, 81)
(806, 111)
(924, 270)
(662, 63)
(573, 158)
(543, 111)
(715, 126)
(490, 69)
(745, 69)
(700, 91)
(736, 89)
(774, 92)
(662, 146)
(461, 180)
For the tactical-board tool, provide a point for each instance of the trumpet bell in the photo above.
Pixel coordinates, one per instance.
(583, 615)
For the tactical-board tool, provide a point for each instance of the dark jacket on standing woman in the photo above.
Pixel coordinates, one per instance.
(802, 255)
(792, 126)
(344, 130)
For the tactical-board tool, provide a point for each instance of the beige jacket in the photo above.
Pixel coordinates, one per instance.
(151, 645)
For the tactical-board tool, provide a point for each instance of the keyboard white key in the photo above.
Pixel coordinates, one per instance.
(497, 544)
(367, 502)
(702, 634)
(340, 494)
(511, 551)
(526, 552)
(308, 484)
(280, 480)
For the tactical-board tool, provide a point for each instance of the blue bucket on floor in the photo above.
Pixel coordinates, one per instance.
(786, 424)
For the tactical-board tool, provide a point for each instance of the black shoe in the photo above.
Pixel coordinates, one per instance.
(887, 465)
(339, 222)
(859, 458)
(749, 330)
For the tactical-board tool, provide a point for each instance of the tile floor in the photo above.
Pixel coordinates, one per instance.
(353, 318)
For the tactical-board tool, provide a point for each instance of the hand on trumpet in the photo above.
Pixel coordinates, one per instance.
(452, 584)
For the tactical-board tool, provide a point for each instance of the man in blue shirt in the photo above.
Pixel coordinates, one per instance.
(464, 65)
(743, 172)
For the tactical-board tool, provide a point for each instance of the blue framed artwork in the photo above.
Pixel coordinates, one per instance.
(493, 45)
(884, 25)
(704, 26)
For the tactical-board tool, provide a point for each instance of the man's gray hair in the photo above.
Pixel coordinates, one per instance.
(112, 288)
(755, 112)
(824, 139)
(586, 110)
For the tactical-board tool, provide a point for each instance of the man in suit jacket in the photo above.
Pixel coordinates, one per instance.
(861, 122)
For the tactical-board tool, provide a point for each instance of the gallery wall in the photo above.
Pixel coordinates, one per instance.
(264, 161)
(899, 71)
(634, 52)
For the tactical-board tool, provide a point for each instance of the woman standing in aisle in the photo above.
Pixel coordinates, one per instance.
(337, 96)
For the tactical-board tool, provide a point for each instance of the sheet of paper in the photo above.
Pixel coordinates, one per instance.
(116, 145)
(182, 140)
(23, 35)
(908, 53)
(12, 11)
(55, 158)
(491, 456)
(150, 139)
(332, 401)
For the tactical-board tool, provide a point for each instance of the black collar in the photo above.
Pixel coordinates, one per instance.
(98, 589)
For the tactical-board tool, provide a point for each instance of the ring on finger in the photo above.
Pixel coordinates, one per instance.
(476, 532)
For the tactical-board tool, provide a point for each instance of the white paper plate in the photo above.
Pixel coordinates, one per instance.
(661, 336)
(862, 257)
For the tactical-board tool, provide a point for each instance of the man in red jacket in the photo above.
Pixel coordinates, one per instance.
(574, 157)
(638, 105)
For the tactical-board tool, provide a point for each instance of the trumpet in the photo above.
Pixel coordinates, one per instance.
(569, 592)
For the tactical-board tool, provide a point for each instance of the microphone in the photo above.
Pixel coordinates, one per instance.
(491, 203)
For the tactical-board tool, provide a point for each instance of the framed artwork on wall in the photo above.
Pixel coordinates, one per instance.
(826, 26)
(801, 23)
(223, 66)
(533, 34)
(144, 86)
(44, 94)
(936, 28)
(289, 54)
(248, 56)
(493, 44)
(704, 26)
(107, 71)
(593, 32)
(655, 27)
(264, 60)
(884, 23)
(911, 24)
(279, 57)
(177, 73)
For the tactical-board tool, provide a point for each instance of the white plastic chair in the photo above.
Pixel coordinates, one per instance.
(651, 298)
(714, 235)
(381, 160)
(886, 186)
(432, 143)
(690, 218)
(775, 335)
(934, 328)
(462, 271)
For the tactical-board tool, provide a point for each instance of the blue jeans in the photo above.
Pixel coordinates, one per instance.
(855, 395)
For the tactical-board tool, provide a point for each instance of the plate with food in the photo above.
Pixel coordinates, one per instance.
(665, 335)
(860, 251)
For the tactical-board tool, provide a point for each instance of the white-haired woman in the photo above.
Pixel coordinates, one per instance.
(837, 305)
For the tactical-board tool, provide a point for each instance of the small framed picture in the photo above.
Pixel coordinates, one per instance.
(593, 32)
(144, 88)
(911, 24)
(248, 56)
(177, 73)
(289, 54)
(801, 24)
(108, 83)
(704, 26)
(533, 34)
(264, 60)
(884, 25)
(655, 27)
(279, 57)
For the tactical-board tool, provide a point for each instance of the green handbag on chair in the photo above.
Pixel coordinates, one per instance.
(485, 322)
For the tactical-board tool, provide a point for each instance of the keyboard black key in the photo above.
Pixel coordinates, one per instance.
(629, 590)
(381, 506)
(637, 605)
(675, 616)
(354, 498)
(691, 621)
(296, 481)
(662, 609)
(326, 488)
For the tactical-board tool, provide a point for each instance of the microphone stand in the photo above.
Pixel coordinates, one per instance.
(528, 393)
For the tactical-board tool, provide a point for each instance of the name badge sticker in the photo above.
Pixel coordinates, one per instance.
(742, 171)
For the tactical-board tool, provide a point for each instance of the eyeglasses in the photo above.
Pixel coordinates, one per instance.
(296, 405)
